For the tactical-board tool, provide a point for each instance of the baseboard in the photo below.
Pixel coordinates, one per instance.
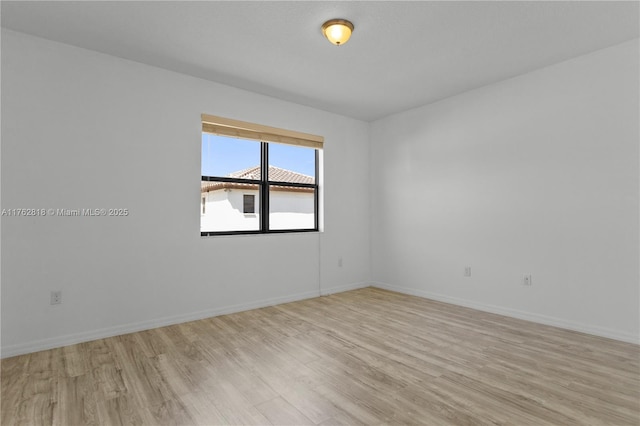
(71, 339)
(339, 289)
(514, 313)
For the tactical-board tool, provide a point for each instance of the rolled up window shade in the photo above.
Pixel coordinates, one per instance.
(244, 130)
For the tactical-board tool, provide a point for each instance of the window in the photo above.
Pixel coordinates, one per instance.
(258, 179)
(249, 203)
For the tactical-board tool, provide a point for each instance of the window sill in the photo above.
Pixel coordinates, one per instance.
(274, 232)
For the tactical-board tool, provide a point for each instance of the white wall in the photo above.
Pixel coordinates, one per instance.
(85, 130)
(537, 174)
(291, 210)
(224, 210)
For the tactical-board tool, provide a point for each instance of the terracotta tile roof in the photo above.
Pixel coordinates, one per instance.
(275, 174)
(215, 186)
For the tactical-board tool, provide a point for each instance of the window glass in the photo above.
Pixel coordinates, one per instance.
(223, 156)
(291, 207)
(301, 161)
(249, 203)
(224, 207)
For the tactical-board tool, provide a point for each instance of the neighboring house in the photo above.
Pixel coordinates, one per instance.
(231, 206)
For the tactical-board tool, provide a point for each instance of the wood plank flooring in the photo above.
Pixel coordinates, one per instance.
(362, 357)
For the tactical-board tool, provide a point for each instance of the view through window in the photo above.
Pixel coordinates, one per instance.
(257, 186)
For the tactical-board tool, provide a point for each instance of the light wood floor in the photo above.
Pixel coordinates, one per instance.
(363, 357)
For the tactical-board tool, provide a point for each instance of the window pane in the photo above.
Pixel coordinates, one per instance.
(249, 203)
(289, 163)
(291, 208)
(222, 156)
(223, 207)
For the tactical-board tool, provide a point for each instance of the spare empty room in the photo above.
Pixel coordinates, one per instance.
(225, 213)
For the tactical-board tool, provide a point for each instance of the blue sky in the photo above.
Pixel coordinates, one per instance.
(222, 155)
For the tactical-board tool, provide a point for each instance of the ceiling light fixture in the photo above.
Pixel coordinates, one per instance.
(337, 31)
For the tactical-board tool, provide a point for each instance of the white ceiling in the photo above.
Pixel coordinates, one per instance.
(401, 54)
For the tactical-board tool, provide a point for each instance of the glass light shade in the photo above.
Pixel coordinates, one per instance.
(337, 31)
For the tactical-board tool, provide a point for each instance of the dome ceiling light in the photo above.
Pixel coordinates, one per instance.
(337, 31)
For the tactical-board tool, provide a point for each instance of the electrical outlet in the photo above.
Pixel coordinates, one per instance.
(56, 297)
(467, 271)
(340, 262)
(526, 279)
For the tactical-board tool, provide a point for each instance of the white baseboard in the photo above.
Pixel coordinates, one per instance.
(514, 313)
(70, 339)
(339, 289)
